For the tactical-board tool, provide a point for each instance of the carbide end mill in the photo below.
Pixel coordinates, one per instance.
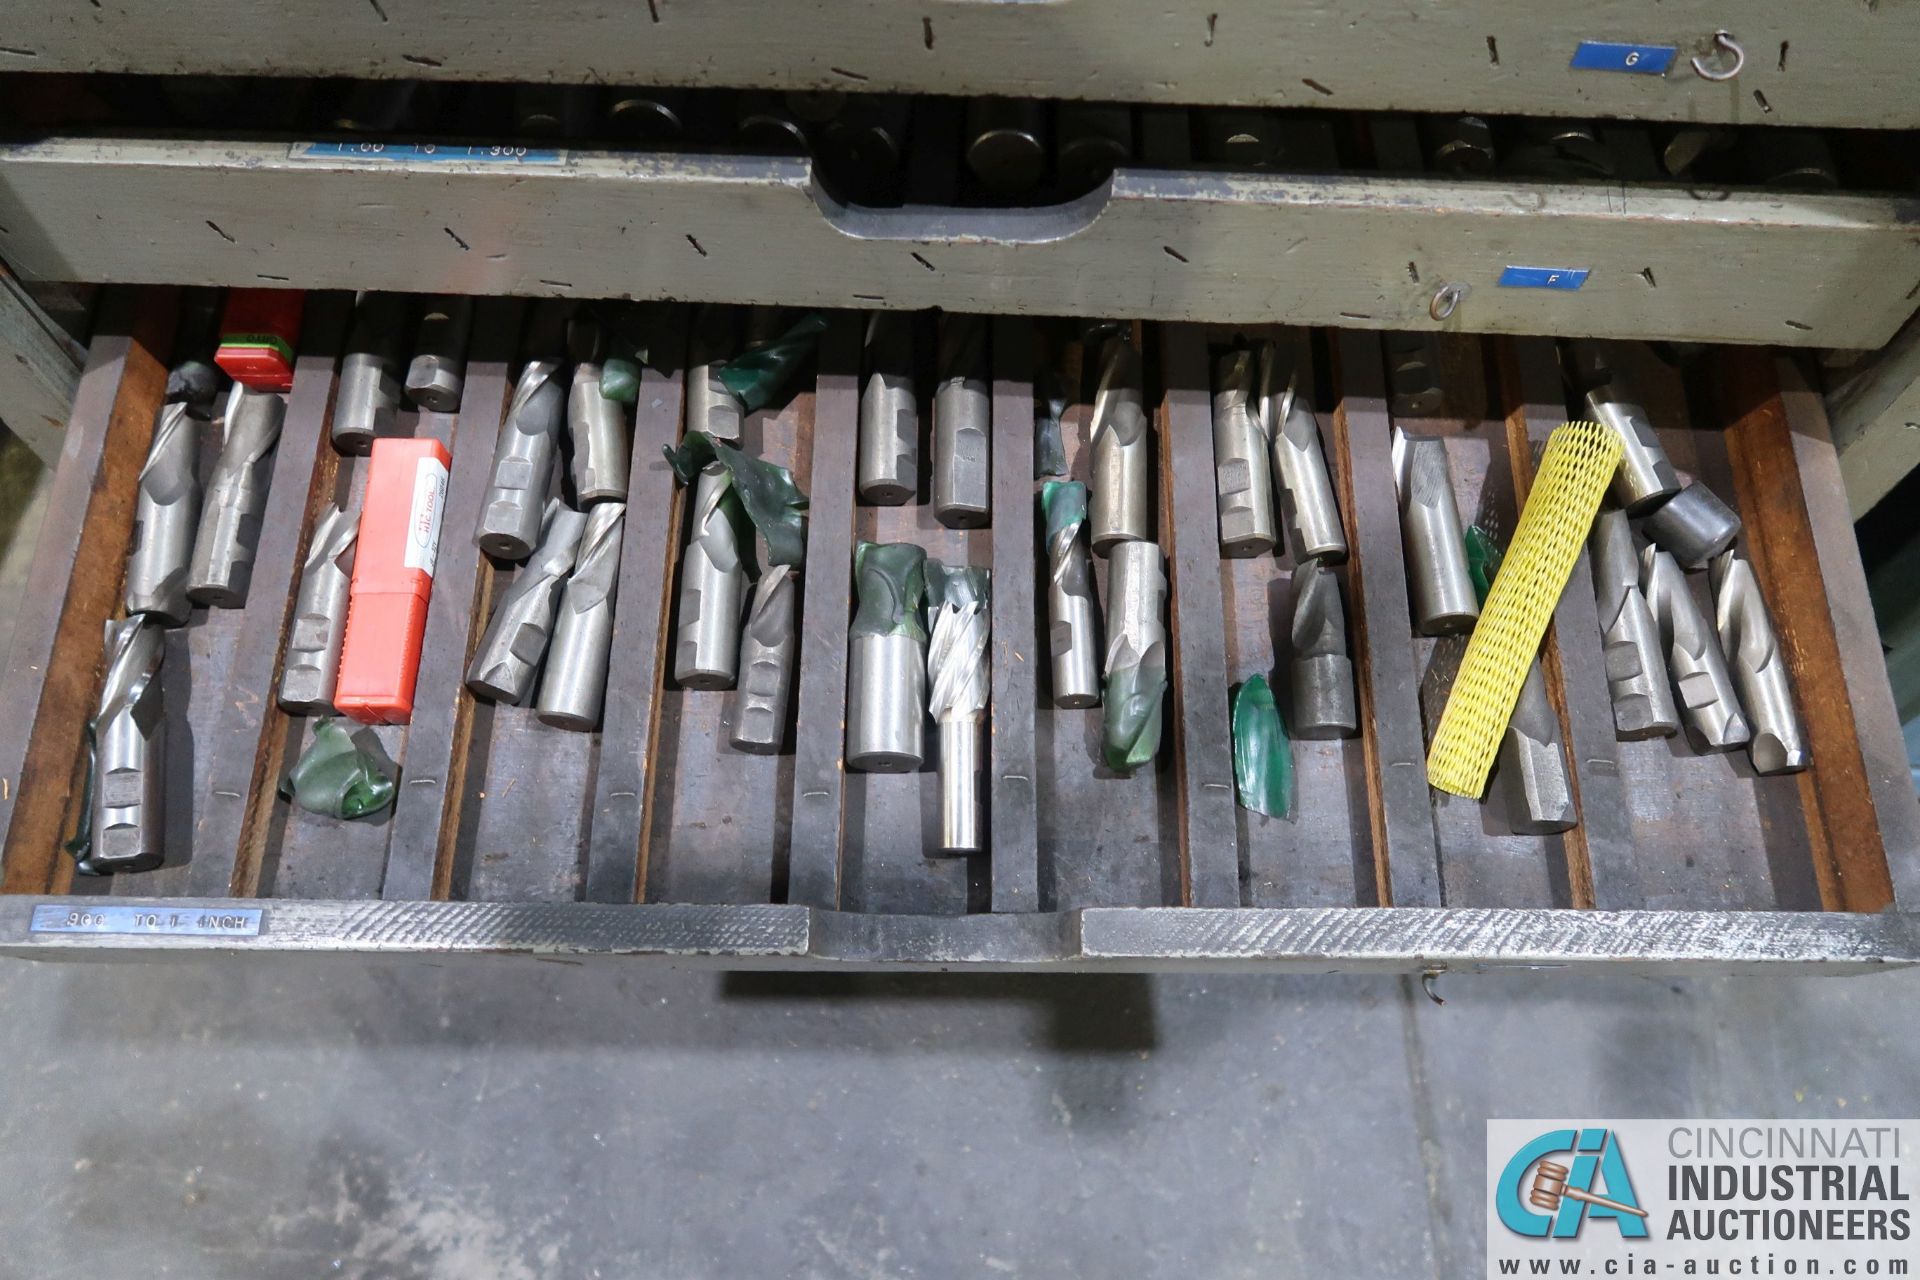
(166, 517)
(1645, 477)
(1073, 630)
(1118, 511)
(575, 681)
(1693, 526)
(1311, 512)
(1137, 660)
(1701, 683)
(1442, 590)
(236, 496)
(368, 393)
(962, 424)
(711, 407)
(889, 445)
(312, 663)
(1636, 670)
(713, 583)
(767, 644)
(128, 822)
(438, 374)
(957, 698)
(1322, 674)
(522, 464)
(598, 426)
(1779, 743)
(886, 661)
(516, 637)
(1533, 763)
(1243, 479)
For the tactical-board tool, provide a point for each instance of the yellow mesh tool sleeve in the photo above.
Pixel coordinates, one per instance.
(1574, 473)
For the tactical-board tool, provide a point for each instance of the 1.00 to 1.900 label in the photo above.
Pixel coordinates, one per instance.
(235, 922)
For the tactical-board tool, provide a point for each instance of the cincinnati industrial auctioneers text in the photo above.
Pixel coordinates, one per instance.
(1727, 1183)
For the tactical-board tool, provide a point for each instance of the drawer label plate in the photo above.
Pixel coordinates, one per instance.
(1543, 277)
(179, 922)
(424, 153)
(1623, 56)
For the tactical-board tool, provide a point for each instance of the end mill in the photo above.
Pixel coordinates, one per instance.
(1007, 143)
(957, 698)
(1308, 507)
(166, 516)
(1693, 526)
(127, 818)
(711, 407)
(523, 456)
(1323, 695)
(516, 637)
(1243, 479)
(438, 374)
(1441, 588)
(767, 645)
(889, 444)
(1636, 671)
(962, 424)
(1532, 765)
(713, 582)
(575, 681)
(1645, 478)
(1779, 743)
(602, 450)
(1701, 683)
(886, 661)
(368, 393)
(312, 663)
(236, 496)
(1092, 139)
(1137, 661)
(1118, 511)
(1073, 632)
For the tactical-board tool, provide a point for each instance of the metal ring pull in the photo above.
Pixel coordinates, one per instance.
(1723, 40)
(1445, 299)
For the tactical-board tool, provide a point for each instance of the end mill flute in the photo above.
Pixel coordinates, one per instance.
(1243, 479)
(962, 423)
(1533, 764)
(767, 644)
(1636, 670)
(1137, 659)
(522, 464)
(1701, 683)
(712, 584)
(166, 517)
(1311, 513)
(1323, 697)
(602, 452)
(889, 457)
(1073, 630)
(438, 374)
(236, 497)
(127, 818)
(1645, 477)
(575, 681)
(957, 700)
(516, 637)
(1119, 512)
(1779, 744)
(711, 407)
(1444, 602)
(312, 663)
(368, 393)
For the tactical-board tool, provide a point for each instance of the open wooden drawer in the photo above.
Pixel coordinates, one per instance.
(651, 837)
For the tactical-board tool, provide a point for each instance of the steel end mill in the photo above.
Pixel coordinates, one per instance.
(127, 819)
(1322, 673)
(713, 584)
(1073, 630)
(437, 376)
(1636, 671)
(1693, 526)
(1442, 590)
(368, 393)
(1645, 478)
(1243, 479)
(767, 644)
(957, 697)
(1701, 683)
(602, 449)
(166, 517)
(711, 407)
(1779, 743)
(1532, 765)
(886, 666)
(1137, 660)
(312, 662)
(1119, 511)
(962, 423)
(889, 457)
(1307, 504)
(523, 453)
(516, 638)
(236, 496)
(575, 681)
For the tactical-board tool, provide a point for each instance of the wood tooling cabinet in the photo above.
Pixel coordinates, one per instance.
(1280, 177)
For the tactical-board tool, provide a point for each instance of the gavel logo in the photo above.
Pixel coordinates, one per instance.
(1550, 1185)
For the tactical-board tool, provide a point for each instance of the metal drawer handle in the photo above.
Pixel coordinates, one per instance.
(1723, 40)
(1445, 300)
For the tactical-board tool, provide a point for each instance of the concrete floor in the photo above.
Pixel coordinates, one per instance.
(499, 1119)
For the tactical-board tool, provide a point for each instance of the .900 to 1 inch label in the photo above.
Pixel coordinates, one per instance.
(234, 922)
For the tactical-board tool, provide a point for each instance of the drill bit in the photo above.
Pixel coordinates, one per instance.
(1323, 702)
(597, 425)
(1136, 655)
(957, 697)
(1701, 684)
(1636, 671)
(575, 681)
(767, 643)
(1533, 764)
(889, 457)
(1779, 744)
(368, 393)
(516, 637)
(1443, 596)
(510, 517)
(1119, 436)
(962, 416)
(1306, 490)
(312, 662)
(1693, 526)
(1645, 478)
(711, 407)
(438, 374)
(887, 667)
(1073, 631)
(126, 819)
(712, 582)
(236, 496)
(1242, 478)
(166, 514)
